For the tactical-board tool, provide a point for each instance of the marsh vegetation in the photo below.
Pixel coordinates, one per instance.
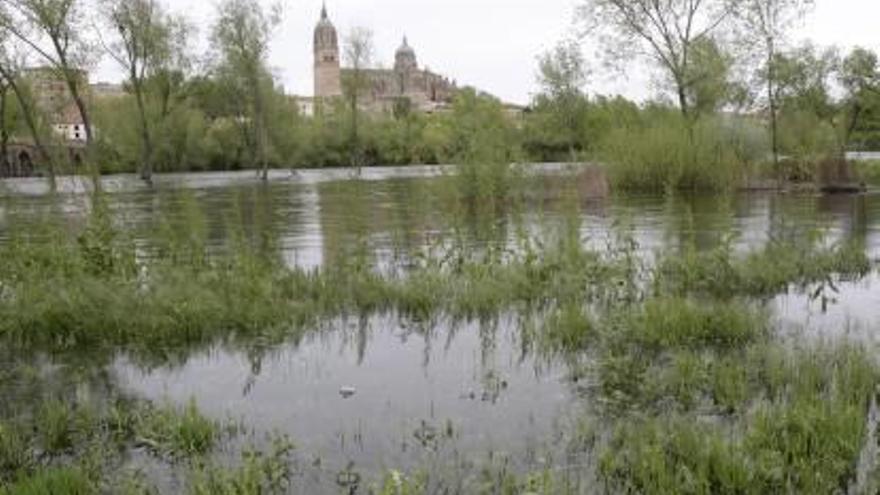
(679, 373)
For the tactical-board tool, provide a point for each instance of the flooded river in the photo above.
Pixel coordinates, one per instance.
(376, 392)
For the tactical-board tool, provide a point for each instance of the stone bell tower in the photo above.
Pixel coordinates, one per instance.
(328, 78)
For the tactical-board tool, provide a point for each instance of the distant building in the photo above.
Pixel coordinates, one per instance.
(53, 99)
(426, 90)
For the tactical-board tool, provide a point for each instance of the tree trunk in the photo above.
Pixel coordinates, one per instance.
(147, 146)
(355, 145)
(771, 100)
(4, 134)
(260, 128)
(31, 123)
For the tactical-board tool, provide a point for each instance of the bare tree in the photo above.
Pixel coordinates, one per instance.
(358, 55)
(60, 24)
(766, 24)
(143, 44)
(242, 34)
(664, 31)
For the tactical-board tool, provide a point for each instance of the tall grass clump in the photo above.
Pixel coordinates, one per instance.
(763, 273)
(665, 152)
(53, 481)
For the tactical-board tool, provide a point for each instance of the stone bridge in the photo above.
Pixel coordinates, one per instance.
(25, 160)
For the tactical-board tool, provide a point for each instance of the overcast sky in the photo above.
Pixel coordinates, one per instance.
(490, 44)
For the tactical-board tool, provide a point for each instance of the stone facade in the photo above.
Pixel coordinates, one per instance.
(425, 90)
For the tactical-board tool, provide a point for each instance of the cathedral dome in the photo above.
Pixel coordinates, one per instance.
(405, 58)
(325, 33)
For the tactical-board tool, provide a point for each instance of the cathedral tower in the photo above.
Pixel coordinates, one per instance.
(405, 58)
(328, 79)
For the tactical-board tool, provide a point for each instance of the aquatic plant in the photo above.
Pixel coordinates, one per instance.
(179, 434)
(60, 481)
(763, 273)
(258, 474)
(804, 439)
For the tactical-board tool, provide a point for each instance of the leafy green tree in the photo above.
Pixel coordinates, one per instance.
(61, 24)
(562, 102)
(808, 111)
(242, 34)
(665, 32)
(143, 44)
(11, 80)
(709, 74)
(765, 25)
(860, 78)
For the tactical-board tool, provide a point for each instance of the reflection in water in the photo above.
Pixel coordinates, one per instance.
(431, 393)
(474, 388)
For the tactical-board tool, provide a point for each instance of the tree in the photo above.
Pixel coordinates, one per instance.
(860, 78)
(358, 54)
(664, 31)
(242, 34)
(807, 110)
(144, 43)
(61, 24)
(10, 76)
(562, 76)
(765, 25)
(709, 72)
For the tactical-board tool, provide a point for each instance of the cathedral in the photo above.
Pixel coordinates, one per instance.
(424, 89)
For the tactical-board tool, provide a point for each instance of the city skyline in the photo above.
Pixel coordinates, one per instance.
(481, 44)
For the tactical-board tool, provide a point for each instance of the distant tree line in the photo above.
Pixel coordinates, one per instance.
(720, 65)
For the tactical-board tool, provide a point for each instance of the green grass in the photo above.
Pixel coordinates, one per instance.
(803, 437)
(64, 481)
(764, 273)
(178, 434)
(258, 474)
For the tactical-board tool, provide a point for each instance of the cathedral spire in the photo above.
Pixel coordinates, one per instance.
(324, 11)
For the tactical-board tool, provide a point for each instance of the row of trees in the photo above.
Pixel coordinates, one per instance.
(734, 57)
(152, 46)
(714, 57)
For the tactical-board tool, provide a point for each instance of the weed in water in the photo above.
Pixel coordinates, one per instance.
(179, 434)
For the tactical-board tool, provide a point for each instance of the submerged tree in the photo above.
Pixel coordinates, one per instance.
(143, 46)
(666, 32)
(60, 24)
(358, 54)
(242, 34)
(765, 25)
